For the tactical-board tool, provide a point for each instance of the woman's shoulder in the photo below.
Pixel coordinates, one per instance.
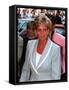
(55, 49)
(55, 46)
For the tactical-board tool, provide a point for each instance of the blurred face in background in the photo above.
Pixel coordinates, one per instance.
(29, 32)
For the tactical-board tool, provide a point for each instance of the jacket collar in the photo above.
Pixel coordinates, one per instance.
(43, 56)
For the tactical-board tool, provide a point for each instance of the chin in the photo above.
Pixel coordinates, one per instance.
(39, 38)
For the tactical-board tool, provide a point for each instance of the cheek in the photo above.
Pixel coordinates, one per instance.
(38, 34)
(46, 33)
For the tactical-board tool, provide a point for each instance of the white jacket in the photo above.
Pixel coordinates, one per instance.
(49, 66)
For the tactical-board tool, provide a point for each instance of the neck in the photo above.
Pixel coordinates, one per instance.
(42, 41)
(41, 45)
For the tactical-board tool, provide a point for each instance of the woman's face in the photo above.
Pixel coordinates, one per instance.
(42, 31)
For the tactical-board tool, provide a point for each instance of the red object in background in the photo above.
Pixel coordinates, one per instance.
(60, 40)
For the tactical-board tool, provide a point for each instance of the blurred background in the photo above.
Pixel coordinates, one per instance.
(27, 14)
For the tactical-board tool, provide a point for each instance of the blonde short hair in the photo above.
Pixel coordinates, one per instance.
(43, 19)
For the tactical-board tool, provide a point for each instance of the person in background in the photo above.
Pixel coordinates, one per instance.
(29, 14)
(19, 54)
(28, 35)
(58, 18)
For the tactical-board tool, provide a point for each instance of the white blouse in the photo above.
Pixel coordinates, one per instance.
(37, 58)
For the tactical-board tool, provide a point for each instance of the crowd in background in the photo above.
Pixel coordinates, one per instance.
(32, 13)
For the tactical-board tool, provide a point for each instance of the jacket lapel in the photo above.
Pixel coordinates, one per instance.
(33, 56)
(45, 53)
(43, 56)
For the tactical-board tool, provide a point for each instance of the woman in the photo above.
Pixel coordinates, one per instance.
(42, 60)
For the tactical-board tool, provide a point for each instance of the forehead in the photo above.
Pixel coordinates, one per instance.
(42, 25)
